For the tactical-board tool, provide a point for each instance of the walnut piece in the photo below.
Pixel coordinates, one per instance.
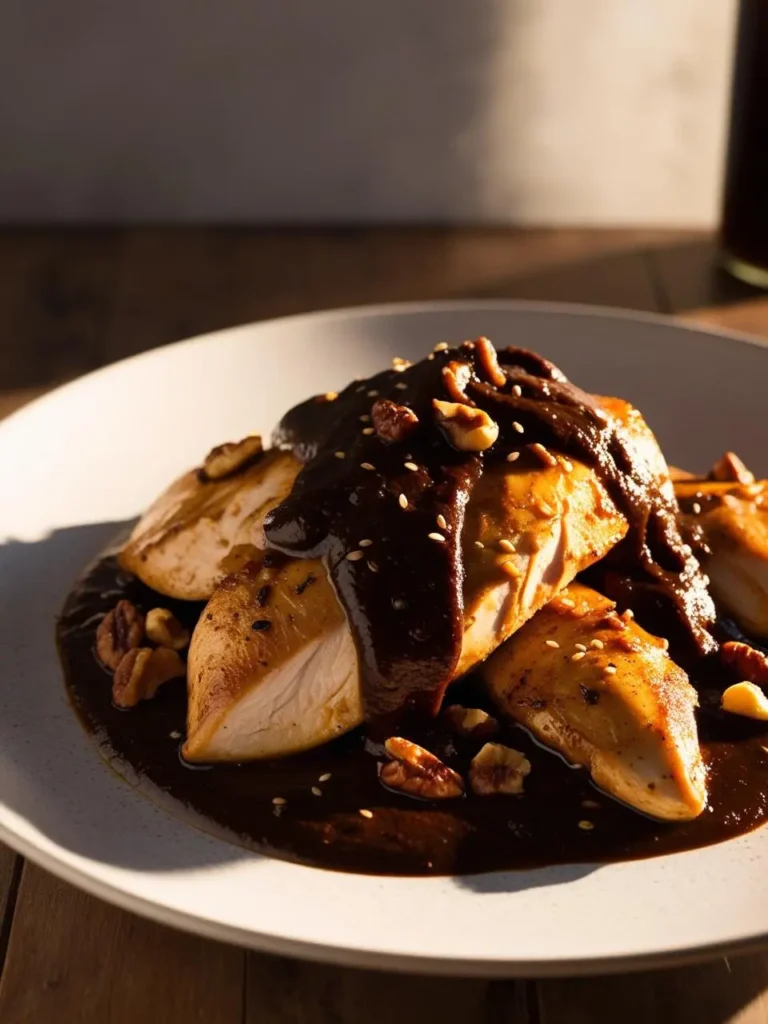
(731, 468)
(119, 631)
(231, 457)
(165, 630)
(456, 376)
(142, 672)
(393, 422)
(750, 664)
(467, 428)
(417, 772)
(472, 722)
(489, 363)
(498, 769)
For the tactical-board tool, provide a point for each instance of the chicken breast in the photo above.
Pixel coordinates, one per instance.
(200, 530)
(733, 520)
(602, 692)
(273, 666)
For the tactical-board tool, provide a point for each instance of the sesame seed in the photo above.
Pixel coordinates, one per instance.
(442, 523)
(664, 644)
(441, 346)
(365, 418)
(567, 465)
(365, 813)
(331, 396)
(696, 508)
(373, 394)
(551, 643)
(412, 466)
(354, 556)
(517, 391)
(610, 670)
(368, 430)
(175, 735)
(436, 536)
(577, 656)
(316, 791)
(402, 501)
(279, 801)
(509, 567)
(400, 364)
(518, 427)
(340, 455)
(590, 805)
(546, 457)
(513, 456)
(398, 604)
(479, 544)
(324, 777)
(580, 647)
(597, 644)
(629, 613)
(364, 543)
(586, 826)
(507, 545)
(401, 386)
(372, 566)
(367, 465)
(431, 356)
(566, 602)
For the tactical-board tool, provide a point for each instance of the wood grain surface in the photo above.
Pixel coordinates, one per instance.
(73, 300)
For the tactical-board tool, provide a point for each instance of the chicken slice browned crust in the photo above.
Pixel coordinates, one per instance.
(598, 689)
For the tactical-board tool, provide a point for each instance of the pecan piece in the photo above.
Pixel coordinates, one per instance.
(489, 363)
(165, 630)
(417, 772)
(142, 672)
(470, 722)
(467, 428)
(228, 459)
(119, 631)
(751, 665)
(730, 468)
(498, 769)
(393, 422)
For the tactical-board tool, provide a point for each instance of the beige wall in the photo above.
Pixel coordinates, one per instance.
(508, 111)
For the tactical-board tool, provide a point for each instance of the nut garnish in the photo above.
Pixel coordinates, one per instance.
(456, 376)
(470, 722)
(417, 772)
(119, 631)
(746, 699)
(489, 363)
(142, 672)
(731, 468)
(467, 428)
(498, 769)
(231, 457)
(165, 630)
(393, 422)
(751, 665)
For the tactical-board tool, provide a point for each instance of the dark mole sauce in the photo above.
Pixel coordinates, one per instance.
(406, 617)
(404, 836)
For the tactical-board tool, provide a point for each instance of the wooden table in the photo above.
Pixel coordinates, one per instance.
(72, 300)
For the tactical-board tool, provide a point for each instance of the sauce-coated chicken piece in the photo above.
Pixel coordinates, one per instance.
(603, 692)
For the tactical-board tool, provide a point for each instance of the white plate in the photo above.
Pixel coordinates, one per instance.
(85, 459)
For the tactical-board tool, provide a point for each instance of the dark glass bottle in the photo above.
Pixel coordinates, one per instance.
(744, 236)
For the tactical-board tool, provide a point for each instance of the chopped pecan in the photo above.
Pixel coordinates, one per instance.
(489, 363)
(142, 672)
(470, 722)
(230, 458)
(498, 769)
(393, 422)
(417, 772)
(456, 376)
(751, 665)
(165, 630)
(467, 428)
(731, 468)
(119, 631)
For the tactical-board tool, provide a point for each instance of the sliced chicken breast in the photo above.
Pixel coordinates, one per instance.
(273, 666)
(732, 519)
(199, 530)
(602, 692)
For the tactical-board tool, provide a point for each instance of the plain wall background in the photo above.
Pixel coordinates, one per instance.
(495, 111)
